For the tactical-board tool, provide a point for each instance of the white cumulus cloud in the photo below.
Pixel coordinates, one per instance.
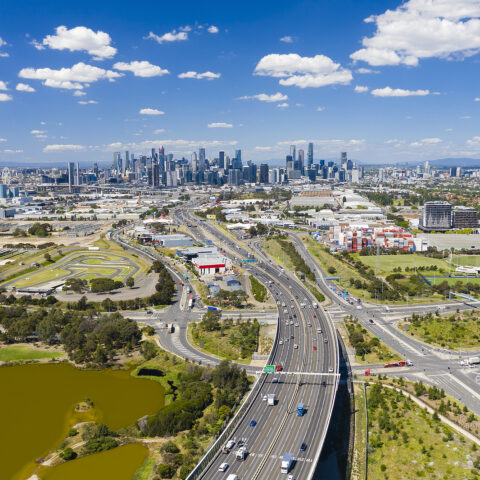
(199, 76)
(78, 93)
(74, 78)
(320, 109)
(80, 38)
(264, 97)
(398, 92)
(212, 29)
(141, 68)
(87, 102)
(63, 148)
(38, 132)
(361, 89)
(168, 37)
(287, 39)
(283, 105)
(159, 130)
(420, 29)
(23, 87)
(3, 85)
(4, 97)
(426, 141)
(292, 69)
(220, 125)
(150, 111)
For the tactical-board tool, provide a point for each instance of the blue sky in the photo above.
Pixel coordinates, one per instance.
(384, 80)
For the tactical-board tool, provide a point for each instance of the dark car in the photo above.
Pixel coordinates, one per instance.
(303, 447)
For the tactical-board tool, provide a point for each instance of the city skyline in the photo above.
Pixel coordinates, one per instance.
(77, 86)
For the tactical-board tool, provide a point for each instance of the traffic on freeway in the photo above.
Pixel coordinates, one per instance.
(306, 375)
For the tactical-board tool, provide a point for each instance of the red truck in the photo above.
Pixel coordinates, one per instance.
(407, 363)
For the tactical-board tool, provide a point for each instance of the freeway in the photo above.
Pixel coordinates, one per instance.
(306, 344)
(434, 366)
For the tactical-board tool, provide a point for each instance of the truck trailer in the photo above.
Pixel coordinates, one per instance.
(271, 399)
(286, 463)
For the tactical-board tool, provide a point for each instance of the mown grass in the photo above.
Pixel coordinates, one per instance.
(22, 352)
(384, 264)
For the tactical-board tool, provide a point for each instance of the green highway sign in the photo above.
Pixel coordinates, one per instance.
(269, 369)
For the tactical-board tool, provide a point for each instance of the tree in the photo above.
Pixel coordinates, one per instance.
(108, 305)
(68, 454)
(47, 330)
(332, 270)
(130, 282)
(48, 257)
(165, 471)
(211, 320)
(99, 285)
(75, 284)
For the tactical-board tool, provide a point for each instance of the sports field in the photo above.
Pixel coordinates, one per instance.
(384, 264)
(466, 260)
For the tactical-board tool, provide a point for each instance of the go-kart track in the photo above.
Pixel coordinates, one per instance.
(80, 264)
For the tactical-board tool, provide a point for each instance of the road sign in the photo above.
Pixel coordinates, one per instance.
(269, 369)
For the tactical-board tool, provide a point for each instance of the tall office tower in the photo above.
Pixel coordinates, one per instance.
(273, 175)
(234, 176)
(289, 163)
(161, 159)
(126, 164)
(71, 175)
(116, 161)
(355, 175)
(301, 160)
(349, 165)
(95, 169)
(77, 174)
(263, 173)
(237, 160)
(293, 150)
(201, 157)
(436, 216)
(426, 167)
(221, 159)
(310, 155)
(343, 160)
(321, 163)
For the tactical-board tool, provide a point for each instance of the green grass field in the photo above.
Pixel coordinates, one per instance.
(21, 352)
(466, 260)
(384, 264)
(455, 332)
(406, 443)
(452, 281)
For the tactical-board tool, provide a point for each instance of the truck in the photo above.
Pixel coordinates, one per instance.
(406, 363)
(286, 463)
(215, 309)
(470, 361)
(241, 454)
(190, 303)
(271, 399)
(300, 410)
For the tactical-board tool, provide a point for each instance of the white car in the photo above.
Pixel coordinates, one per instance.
(281, 342)
(223, 467)
(290, 477)
(296, 324)
(330, 370)
(295, 346)
(291, 323)
(359, 307)
(309, 324)
(264, 398)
